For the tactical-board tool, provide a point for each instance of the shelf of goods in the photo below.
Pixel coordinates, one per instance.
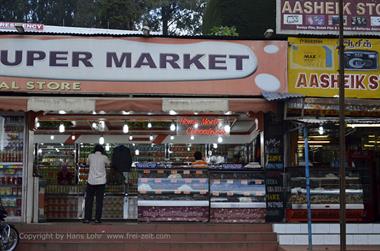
(173, 194)
(237, 196)
(11, 164)
(184, 153)
(324, 197)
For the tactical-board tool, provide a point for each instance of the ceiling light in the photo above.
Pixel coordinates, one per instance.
(227, 129)
(172, 127)
(61, 112)
(149, 125)
(94, 125)
(73, 137)
(192, 137)
(150, 137)
(215, 145)
(108, 147)
(39, 151)
(172, 137)
(228, 113)
(363, 125)
(38, 124)
(220, 139)
(195, 113)
(196, 125)
(314, 141)
(172, 112)
(125, 128)
(94, 112)
(321, 130)
(101, 140)
(61, 128)
(74, 123)
(137, 152)
(131, 137)
(188, 149)
(133, 144)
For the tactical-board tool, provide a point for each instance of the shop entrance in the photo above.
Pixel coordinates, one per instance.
(164, 183)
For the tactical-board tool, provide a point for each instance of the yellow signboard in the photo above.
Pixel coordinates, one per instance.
(313, 65)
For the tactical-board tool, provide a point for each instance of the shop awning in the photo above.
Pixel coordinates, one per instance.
(277, 96)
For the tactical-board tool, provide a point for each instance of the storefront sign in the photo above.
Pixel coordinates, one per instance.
(26, 26)
(322, 17)
(64, 64)
(205, 126)
(313, 67)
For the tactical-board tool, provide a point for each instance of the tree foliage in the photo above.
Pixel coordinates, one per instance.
(224, 31)
(250, 17)
(170, 16)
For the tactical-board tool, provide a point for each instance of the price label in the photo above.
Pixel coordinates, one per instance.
(174, 172)
(146, 171)
(157, 180)
(203, 192)
(173, 180)
(177, 191)
(244, 182)
(144, 180)
(186, 171)
(230, 181)
(247, 193)
(198, 172)
(160, 171)
(259, 181)
(158, 192)
(216, 181)
(187, 181)
(230, 193)
(215, 193)
(142, 191)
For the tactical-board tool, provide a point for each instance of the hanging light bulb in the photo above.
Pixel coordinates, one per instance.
(61, 112)
(152, 145)
(36, 122)
(39, 150)
(101, 140)
(196, 125)
(188, 149)
(150, 137)
(94, 125)
(172, 127)
(220, 139)
(73, 137)
(125, 128)
(131, 137)
(192, 137)
(172, 137)
(172, 112)
(321, 130)
(149, 125)
(133, 144)
(137, 152)
(227, 129)
(61, 128)
(215, 145)
(107, 147)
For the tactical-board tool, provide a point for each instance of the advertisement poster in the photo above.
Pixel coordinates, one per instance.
(322, 17)
(140, 65)
(313, 65)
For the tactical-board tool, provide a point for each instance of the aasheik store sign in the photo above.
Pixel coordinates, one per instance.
(140, 65)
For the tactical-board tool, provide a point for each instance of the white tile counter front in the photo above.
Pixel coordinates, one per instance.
(327, 234)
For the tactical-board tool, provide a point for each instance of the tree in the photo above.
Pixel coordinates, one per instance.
(224, 31)
(175, 16)
(250, 17)
(14, 10)
(53, 12)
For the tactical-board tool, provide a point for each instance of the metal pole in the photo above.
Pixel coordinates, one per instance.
(342, 143)
(307, 176)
